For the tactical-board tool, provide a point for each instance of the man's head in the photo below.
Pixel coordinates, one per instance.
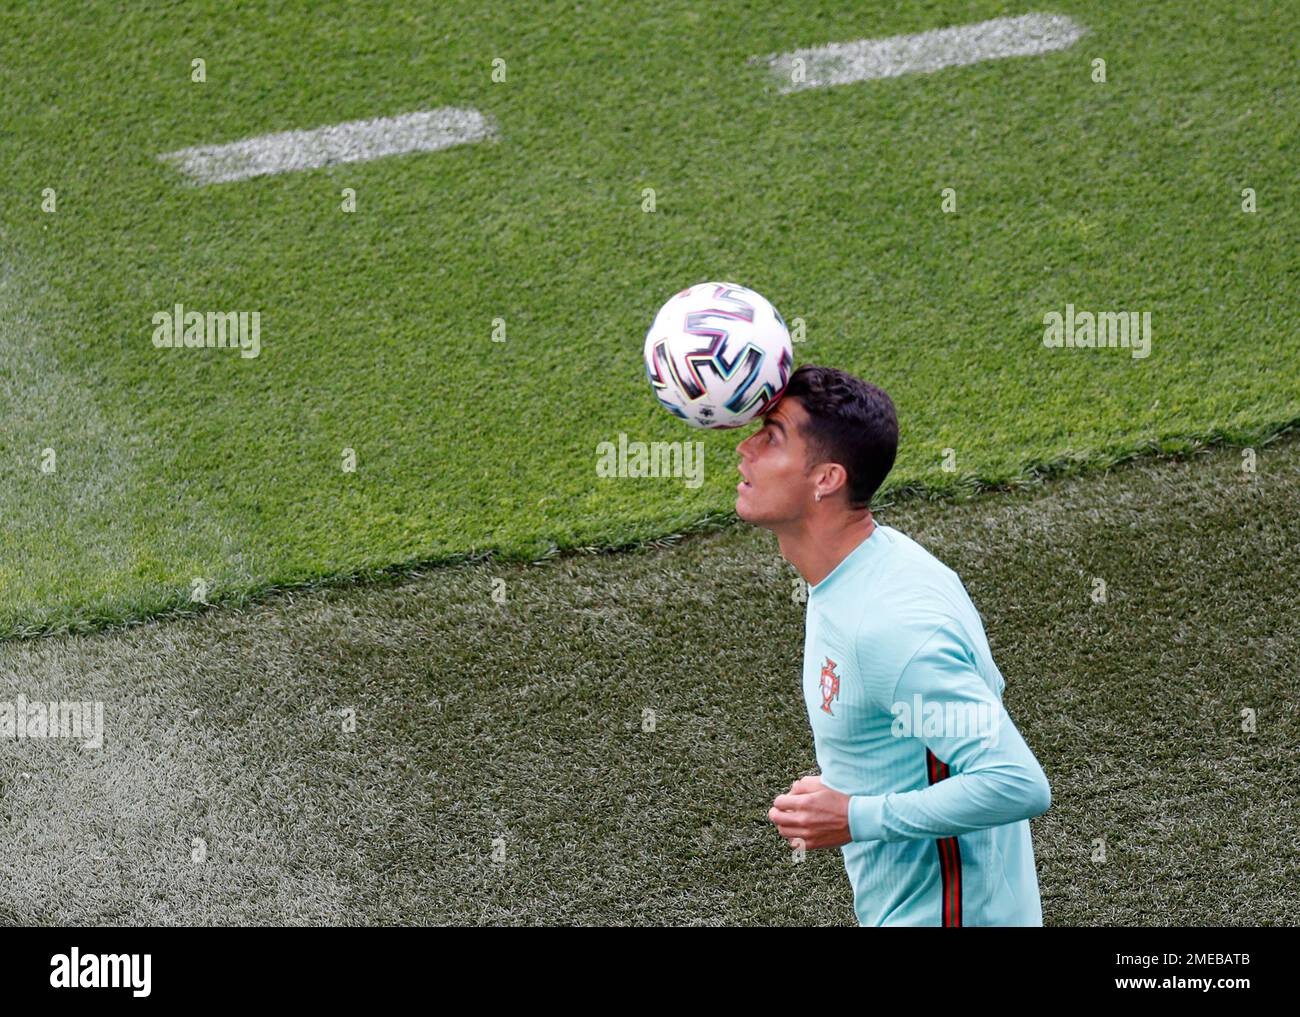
(830, 434)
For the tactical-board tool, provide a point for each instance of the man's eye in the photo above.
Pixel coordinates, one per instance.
(771, 437)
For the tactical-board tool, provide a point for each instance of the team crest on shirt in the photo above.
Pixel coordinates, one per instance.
(830, 685)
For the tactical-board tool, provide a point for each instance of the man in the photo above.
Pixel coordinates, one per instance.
(925, 783)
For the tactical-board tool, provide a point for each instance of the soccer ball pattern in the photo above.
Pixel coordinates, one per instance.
(718, 355)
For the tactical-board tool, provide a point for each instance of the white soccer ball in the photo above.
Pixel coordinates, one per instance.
(718, 355)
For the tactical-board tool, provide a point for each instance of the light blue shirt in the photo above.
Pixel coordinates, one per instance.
(906, 710)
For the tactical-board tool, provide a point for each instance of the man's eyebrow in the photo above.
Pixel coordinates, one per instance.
(775, 423)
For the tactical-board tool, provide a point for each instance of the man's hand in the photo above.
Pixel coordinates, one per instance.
(812, 813)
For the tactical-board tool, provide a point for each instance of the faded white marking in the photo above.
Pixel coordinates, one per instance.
(354, 141)
(840, 63)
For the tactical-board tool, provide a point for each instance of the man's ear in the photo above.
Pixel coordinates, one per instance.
(830, 478)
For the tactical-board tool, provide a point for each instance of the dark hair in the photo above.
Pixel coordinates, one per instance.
(850, 422)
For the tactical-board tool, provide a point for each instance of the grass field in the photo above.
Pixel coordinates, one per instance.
(472, 682)
(517, 728)
(377, 324)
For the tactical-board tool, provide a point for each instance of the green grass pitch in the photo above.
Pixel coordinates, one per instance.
(377, 324)
(500, 770)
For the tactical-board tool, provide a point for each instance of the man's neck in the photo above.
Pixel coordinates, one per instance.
(815, 550)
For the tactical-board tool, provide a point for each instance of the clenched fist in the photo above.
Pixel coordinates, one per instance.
(812, 813)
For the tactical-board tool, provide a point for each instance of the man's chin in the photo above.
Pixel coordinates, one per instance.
(746, 512)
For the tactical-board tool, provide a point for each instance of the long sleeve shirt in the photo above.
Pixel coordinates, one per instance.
(906, 710)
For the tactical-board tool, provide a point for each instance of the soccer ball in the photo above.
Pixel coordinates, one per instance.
(718, 355)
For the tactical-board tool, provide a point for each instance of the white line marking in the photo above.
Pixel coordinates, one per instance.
(355, 141)
(840, 63)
